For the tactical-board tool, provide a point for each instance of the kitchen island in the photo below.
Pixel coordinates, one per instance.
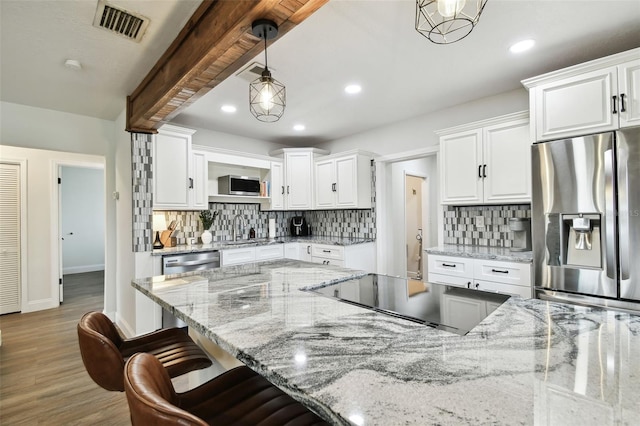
(529, 362)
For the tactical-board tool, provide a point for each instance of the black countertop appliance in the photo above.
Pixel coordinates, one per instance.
(299, 226)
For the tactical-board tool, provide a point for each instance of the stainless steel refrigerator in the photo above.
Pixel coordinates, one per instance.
(586, 219)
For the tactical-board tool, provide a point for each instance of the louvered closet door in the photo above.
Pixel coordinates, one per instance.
(9, 238)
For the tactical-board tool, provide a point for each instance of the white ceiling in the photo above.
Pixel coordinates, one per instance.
(373, 43)
(37, 36)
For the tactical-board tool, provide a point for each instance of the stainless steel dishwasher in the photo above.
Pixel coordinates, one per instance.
(188, 262)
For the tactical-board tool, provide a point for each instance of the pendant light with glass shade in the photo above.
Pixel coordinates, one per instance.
(447, 21)
(267, 96)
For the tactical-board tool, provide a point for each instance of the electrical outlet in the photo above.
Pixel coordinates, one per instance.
(479, 221)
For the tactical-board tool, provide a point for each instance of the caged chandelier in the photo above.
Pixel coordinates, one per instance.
(267, 97)
(447, 21)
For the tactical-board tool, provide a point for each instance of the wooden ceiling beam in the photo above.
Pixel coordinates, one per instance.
(214, 44)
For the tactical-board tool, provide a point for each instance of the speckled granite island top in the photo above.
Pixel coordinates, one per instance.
(482, 252)
(529, 362)
(227, 245)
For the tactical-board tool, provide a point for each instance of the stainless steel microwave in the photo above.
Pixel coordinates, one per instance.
(238, 185)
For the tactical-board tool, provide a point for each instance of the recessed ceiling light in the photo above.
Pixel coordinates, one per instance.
(522, 46)
(299, 127)
(73, 64)
(228, 108)
(352, 89)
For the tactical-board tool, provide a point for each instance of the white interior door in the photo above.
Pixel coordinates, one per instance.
(10, 265)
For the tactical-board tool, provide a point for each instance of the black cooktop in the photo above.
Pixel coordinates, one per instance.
(448, 308)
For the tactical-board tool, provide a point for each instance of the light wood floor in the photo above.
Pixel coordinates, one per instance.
(42, 378)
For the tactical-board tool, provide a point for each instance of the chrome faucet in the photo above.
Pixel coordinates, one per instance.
(235, 226)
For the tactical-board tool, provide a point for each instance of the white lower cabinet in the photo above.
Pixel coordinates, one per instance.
(241, 255)
(273, 251)
(237, 256)
(510, 278)
(356, 256)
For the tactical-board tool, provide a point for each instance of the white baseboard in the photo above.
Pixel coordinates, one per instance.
(124, 326)
(84, 268)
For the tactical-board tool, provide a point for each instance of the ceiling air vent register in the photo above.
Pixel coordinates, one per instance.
(119, 21)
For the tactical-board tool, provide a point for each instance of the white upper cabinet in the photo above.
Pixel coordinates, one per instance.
(277, 186)
(486, 162)
(298, 180)
(461, 167)
(629, 83)
(343, 181)
(297, 187)
(507, 162)
(199, 171)
(594, 97)
(179, 179)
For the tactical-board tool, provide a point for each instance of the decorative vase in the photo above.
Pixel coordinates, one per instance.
(206, 237)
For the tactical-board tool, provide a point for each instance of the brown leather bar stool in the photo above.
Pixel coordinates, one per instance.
(239, 396)
(104, 351)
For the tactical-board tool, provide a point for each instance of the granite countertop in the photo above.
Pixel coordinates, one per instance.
(529, 362)
(482, 252)
(226, 245)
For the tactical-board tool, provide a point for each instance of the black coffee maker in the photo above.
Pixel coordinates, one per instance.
(299, 226)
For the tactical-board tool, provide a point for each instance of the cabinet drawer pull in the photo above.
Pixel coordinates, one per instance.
(326, 251)
(615, 101)
(448, 265)
(623, 108)
(499, 271)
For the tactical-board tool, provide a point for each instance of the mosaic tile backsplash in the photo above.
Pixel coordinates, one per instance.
(141, 191)
(331, 223)
(459, 224)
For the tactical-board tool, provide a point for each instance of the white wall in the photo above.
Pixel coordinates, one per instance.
(233, 142)
(120, 300)
(83, 219)
(395, 212)
(67, 135)
(419, 132)
(41, 261)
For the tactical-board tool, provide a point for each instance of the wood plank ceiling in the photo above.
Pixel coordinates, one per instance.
(215, 43)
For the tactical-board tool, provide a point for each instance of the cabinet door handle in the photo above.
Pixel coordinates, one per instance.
(615, 101)
(333, 187)
(287, 189)
(499, 271)
(282, 189)
(484, 171)
(308, 249)
(469, 284)
(477, 286)
(480, 171)
(623, 108)
(449, 265)
(190, 183)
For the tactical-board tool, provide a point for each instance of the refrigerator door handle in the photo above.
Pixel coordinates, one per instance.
(623, 214)
(610, 218)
